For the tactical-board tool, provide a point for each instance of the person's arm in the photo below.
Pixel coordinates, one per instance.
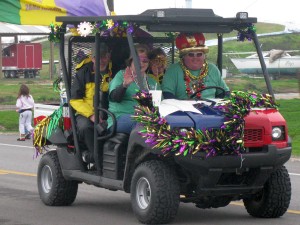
(227, 93)
(168, 95)
(223, 85)
(18, 103)
(217, 80)
(169, 83)
(119, 84)
(78, 93)
(117, 94)
(31, 101)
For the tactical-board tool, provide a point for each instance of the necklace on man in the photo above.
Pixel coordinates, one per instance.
(193, 83)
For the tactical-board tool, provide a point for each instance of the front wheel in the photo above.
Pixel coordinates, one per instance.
(274, 200)
(13, 74)
(54, 190)
(154, 193)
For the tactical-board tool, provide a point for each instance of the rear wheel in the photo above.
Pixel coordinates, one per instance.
(7, 74)
(34, 73)
(154, 193)
(54, 190)
(274, 200)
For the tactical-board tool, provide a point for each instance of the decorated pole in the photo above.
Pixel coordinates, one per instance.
(110, 5)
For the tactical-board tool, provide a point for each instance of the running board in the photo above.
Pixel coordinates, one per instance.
(93, 179)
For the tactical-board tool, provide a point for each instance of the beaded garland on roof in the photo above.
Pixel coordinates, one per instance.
(84, 29)
(188, 76)
(55, 30)
(246, 33)
(105, 28)
(226, 140)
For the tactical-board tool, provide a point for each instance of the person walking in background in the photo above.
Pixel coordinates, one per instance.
(24, 104)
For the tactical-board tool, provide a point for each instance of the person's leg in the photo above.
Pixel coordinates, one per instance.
(21, 127)
(85, 129)
(29, 121)
(125, 124)
(28, 127)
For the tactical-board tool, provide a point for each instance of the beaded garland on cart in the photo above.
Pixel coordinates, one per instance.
(227, 140)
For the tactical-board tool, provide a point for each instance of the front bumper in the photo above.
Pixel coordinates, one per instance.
(270, 156)
(234, 175)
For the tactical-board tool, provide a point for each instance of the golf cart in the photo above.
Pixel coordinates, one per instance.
(191, 155)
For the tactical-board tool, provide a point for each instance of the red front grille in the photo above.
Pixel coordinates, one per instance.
(252, 135)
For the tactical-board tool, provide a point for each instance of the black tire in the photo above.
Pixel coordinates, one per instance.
(54, 190)
(26, 74)
(7, 74)
(13, 74)
(274, 200)
(154, 193)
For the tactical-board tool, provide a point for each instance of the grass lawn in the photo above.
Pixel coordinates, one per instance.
(9, 121)
(290, 110)
(40, 89)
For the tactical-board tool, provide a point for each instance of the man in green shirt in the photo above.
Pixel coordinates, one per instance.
(192, 73)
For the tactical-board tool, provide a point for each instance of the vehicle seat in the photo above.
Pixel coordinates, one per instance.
(114, 156)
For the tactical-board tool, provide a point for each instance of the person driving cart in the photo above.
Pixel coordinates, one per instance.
(192, 73)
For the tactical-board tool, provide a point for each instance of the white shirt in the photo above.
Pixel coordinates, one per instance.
(24, 102)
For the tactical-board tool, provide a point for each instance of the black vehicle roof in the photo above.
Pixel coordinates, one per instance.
(173, 20)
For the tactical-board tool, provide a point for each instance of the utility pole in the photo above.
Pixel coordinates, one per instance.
(51, 60)
(1, 74)
(110, 5)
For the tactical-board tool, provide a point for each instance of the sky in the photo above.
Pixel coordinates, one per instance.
(272, 11)
(283, 12)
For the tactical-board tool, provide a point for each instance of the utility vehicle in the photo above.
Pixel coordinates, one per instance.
(158, 181)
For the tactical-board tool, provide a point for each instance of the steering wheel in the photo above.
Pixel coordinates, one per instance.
(221, 95)
(113, 128)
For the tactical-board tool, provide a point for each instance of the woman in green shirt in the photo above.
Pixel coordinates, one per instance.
(124, 86)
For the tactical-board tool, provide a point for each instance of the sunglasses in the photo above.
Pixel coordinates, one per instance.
(195, 54)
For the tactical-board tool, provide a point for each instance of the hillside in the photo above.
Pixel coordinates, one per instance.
(284, 42)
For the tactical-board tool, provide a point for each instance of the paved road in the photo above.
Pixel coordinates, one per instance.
(287, 96)
(20, 203)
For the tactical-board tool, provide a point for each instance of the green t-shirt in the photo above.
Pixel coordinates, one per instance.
(174, 83)
(126, 106)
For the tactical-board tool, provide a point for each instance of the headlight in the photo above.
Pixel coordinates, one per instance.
(278, 133)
